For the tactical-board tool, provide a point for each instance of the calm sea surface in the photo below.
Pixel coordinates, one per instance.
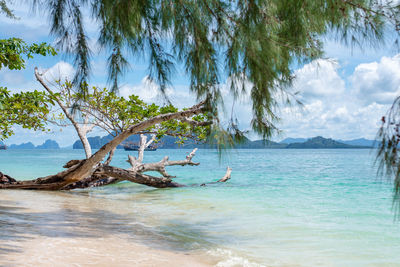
(281, 207)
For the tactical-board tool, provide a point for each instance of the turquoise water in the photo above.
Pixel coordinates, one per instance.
(281, 207)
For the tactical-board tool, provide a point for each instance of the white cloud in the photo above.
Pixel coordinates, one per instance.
(342, 109)
(377, 81)
(60, 71)
(147, 90)
(15, 81)
(318, 79)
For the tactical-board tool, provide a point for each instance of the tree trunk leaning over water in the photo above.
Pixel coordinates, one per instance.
(105, 175)
(90, 172)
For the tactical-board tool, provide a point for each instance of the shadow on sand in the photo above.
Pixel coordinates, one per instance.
(19, 222)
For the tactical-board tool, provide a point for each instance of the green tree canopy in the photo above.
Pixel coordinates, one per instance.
(5, 10)
(27, 109)
(13, 52)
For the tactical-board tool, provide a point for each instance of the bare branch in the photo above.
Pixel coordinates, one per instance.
(81, 133)
(160, 166)
(142, 144)
(158, 182)
(153, 138)
(137, 162)
(227, 175)
(110, 156)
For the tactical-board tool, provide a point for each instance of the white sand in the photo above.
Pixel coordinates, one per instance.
(110, 251)
(51, 229)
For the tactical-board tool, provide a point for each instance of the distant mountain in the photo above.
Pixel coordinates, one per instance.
(97, 142)
(320, 142)
(28, 145)
(360, 142)
(290, 140)
(261, 144)
(170, 143)
(354, 142)
(49, 144)
(165, 142)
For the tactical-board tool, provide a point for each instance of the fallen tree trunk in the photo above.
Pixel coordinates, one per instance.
(104, 174)
(51, 182)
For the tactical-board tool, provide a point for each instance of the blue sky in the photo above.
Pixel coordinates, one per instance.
(344, 96)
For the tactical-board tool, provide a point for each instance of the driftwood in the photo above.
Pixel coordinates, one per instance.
(227, 175)
(4, 178)
(104, 174)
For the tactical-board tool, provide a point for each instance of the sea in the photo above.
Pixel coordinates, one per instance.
(282, 207)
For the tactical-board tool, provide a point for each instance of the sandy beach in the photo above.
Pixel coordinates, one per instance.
(60, 229)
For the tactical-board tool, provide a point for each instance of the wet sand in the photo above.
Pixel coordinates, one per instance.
(63, 229)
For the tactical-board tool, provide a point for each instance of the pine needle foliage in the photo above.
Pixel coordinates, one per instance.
(256, 41)
(4, 9)
(388, 156)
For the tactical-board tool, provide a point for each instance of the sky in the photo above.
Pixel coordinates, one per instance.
(343, 95)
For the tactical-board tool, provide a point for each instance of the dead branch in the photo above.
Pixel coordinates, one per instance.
(110, 156)
(81, 131)
(139, 178)
(227, 175)
(138, 166)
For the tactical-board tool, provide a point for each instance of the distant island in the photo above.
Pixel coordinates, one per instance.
(318, 142)
(48, 144)
(353, 142)
(169, 142)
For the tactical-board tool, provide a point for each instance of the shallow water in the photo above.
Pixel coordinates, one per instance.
(281, 207)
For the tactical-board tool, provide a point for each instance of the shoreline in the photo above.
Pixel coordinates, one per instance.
(51, 229)
(109, 251)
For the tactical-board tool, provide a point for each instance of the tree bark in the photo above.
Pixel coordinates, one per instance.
(139, 178)
(81, 131)
(110, 156)
(105, 175)
(227, 175)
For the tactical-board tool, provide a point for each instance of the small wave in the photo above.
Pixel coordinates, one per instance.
(231, 260)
